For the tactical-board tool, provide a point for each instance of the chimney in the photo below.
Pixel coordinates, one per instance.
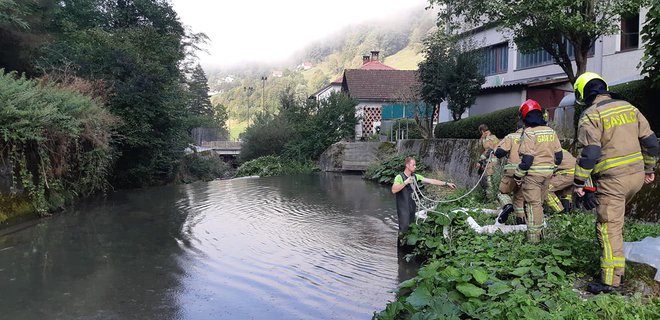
(374, 55)
(365, 59)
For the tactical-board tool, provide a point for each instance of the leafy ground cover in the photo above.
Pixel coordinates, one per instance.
(501, 276)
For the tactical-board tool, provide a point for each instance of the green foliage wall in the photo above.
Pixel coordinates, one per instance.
(56, 141)
(651, 36)
(643, 96)
(137, 48)
(500, 123)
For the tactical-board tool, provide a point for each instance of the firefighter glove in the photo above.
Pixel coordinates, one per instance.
(589, 200)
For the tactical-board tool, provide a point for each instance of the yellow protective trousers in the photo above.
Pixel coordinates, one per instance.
(613, 193)
(510, 193)
(534, 190)
(561, 186)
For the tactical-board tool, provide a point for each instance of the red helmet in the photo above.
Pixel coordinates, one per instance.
(528, 106)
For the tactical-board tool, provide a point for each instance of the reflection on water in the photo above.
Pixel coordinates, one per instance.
(303, 247)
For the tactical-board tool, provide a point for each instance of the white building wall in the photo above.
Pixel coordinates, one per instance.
(496, 101)
(325, 93)
(359, 113)
(607, 60)
(445, 114)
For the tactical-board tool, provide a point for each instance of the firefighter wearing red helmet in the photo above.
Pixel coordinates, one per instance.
(540, 153)
(619, 153)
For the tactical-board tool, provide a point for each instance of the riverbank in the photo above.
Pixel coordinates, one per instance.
(501, 276)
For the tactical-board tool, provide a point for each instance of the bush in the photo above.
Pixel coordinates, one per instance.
(201, 167)
(274, 166)
(413, 129)
(500, 123)
(641, 95)
(267, 136)
(56, 140)
(385, 171)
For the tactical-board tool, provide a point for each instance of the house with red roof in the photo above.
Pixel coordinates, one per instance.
(378, 88)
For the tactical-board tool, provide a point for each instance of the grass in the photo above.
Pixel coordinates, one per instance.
(236, 127)
(406, 59)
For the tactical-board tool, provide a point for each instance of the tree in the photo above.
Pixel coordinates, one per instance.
(651, 35)
(450, 72)
(548, 24)
(327, 121)
(198, 87)
(136, 47)
(11, 14)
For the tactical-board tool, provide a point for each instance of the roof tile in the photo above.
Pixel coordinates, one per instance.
(381, 85)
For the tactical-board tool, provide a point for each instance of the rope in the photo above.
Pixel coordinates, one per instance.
(416, 189)
(418, 196)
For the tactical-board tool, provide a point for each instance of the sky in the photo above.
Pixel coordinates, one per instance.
(267, 31)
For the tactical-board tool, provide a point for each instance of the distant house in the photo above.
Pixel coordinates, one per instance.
(368, 63)
(277, 74)
(377, 91)
(306, 65)
(325, 92)
(228, 79)
(382, 93)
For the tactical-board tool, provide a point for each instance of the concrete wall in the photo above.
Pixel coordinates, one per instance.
(349, 156)
(454, 157)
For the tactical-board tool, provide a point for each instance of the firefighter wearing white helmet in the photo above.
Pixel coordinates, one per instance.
(619, 153)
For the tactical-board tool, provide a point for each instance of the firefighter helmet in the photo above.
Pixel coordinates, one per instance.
(528, 106)
(582, 81)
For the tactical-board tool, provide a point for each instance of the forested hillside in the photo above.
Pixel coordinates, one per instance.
(397, 38)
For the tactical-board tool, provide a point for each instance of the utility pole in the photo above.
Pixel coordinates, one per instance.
(263, 90)
(248, 92)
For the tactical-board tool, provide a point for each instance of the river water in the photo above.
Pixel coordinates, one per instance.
(318, 246)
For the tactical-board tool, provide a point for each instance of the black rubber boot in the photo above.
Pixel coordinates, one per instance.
(520, 220)
(504, 214)
(566, 204)
(598, 287)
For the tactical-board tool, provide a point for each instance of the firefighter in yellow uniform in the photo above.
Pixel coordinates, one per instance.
(508, 147)
(540, 153)
(560, 191)
(619, 153)
(488, 141)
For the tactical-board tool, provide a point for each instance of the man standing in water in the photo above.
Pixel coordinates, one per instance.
(405, 205)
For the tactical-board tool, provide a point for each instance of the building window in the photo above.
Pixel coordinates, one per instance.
(496, 59)
(630, 32)
(540, 57)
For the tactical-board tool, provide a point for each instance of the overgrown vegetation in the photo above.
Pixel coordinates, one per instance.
(302, 130)
(501, 276)
(500, 123)
(643, 96)
(134, 68)
(204, 167)
(55, 140)
(411, 126)
(267, 166)
(651, 37)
